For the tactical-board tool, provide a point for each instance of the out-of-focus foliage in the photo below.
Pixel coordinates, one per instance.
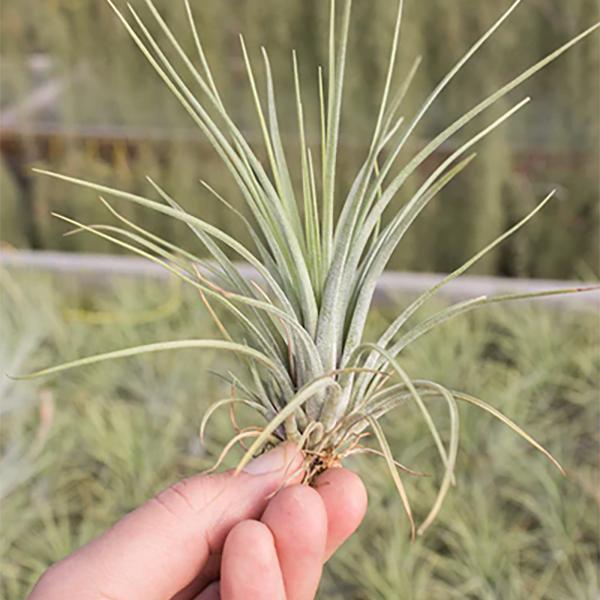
(91, 444)
(116, 122)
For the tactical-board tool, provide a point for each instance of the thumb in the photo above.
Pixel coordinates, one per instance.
(159, 548)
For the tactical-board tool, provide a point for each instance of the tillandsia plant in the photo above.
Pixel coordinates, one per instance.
(308, 371)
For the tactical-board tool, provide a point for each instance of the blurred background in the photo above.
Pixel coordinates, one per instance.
(80, 450)
(77, 97)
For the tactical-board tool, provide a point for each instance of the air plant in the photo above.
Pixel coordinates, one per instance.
(307, 370)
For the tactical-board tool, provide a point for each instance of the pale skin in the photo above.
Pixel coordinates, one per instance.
(219, 537)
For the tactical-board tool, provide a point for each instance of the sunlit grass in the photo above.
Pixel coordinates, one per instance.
(109, 436)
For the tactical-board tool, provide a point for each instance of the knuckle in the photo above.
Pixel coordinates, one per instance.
(176, 500)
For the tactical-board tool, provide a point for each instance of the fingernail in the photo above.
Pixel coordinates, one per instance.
(271, 461)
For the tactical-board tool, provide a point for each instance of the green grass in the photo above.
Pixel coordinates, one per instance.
(513, 528)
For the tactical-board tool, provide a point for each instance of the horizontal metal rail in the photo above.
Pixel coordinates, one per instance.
(100, 269)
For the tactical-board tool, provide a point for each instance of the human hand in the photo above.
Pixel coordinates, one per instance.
(218, 536)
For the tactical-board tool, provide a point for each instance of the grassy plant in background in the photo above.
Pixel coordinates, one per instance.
(515, 531)
(554, 146)
(312, 375)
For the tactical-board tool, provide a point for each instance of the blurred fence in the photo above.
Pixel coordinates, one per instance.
(77, 97)
(104, 270)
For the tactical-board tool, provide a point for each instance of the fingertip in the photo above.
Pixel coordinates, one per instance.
(283, 460)
(298, 520)
(345, 499)
(253, 534)
(302, 511)
(344, 486)
(250, 567)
